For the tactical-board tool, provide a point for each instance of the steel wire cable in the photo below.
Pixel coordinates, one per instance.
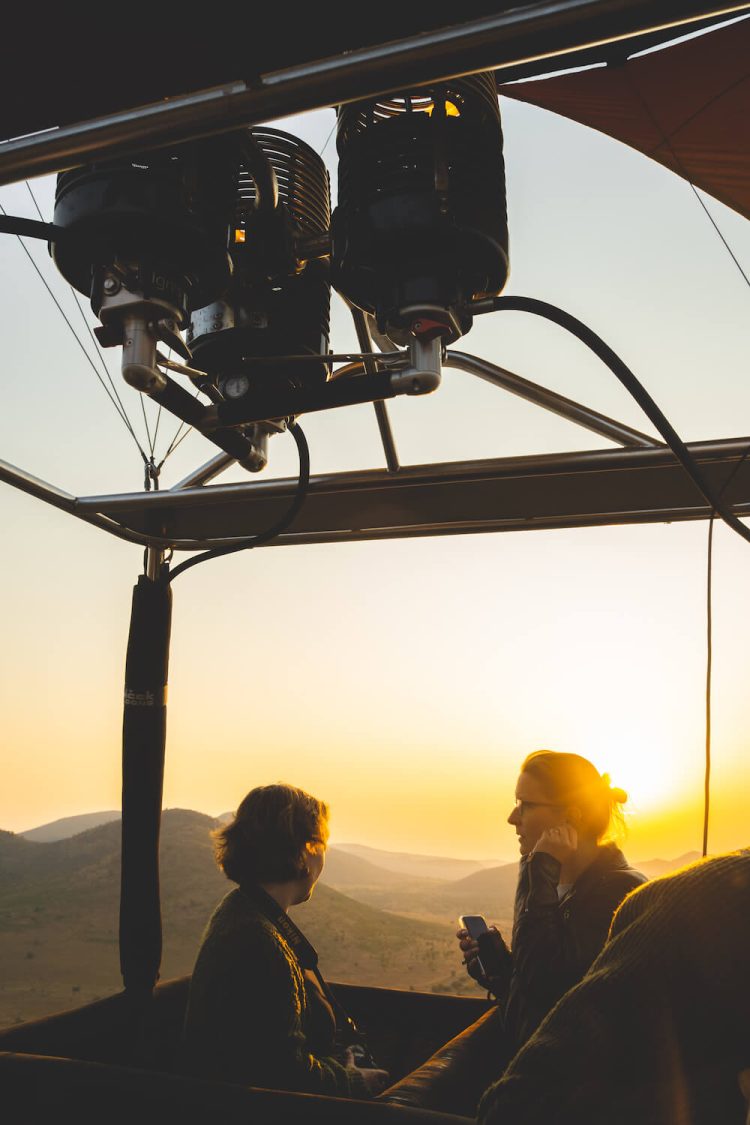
(709, 655)
(178, 438)
(665, 140)
(709, 664)
(145, 423)
(78, 340)
(97, 347)
(151, 439)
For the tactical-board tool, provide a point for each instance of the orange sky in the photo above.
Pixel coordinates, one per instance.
(404, 681)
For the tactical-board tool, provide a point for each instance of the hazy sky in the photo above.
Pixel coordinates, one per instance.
(404, 681)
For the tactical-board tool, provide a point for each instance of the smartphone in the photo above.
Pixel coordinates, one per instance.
(474, 924)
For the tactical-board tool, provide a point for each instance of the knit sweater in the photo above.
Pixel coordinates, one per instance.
(254, 1016)
(657, 1030)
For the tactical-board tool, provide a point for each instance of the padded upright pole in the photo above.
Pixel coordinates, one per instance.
(143, 740)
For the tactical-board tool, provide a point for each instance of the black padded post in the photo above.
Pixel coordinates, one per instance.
(143, 741)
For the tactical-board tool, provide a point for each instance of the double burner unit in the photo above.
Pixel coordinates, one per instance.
(225, 251)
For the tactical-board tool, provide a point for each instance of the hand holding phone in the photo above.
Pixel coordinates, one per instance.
(486, 956)
(473, 925)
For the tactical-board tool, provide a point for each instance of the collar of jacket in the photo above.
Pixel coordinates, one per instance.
(608, 858)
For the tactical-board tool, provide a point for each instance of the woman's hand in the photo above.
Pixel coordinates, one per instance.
(375, 1080)
(561, 843)
(470, 950)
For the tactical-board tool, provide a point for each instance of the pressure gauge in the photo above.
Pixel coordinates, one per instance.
(236, 386)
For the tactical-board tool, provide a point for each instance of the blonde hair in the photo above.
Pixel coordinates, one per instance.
(569, 779)
(273, 830)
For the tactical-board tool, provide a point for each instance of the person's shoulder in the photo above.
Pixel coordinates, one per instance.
(240, 934)
(236, 918)
(612, 869)
(628, 879)
(235, 907)
(713, 880)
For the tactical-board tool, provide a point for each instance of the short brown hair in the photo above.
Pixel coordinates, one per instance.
(569, 779)
(272, 829)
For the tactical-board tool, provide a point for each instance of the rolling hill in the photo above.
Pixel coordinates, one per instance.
(69, 826)
(423, 866)
(357, 865)
(434, 889)
(344, 870)
(489, 892)
(59, 916)
(653, 868)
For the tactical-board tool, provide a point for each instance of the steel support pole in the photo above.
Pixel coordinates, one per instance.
(143, 741)
(550, 400)
(364, 338)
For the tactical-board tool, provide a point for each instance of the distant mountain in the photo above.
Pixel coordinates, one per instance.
(425, 866)
(378, 917)
(490, 892)
(69, 826)
(344, 869)
(59, 911)
(495, 882)
(436, 888)
(653, 868)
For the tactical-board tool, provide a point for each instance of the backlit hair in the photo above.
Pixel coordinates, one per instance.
(569, 779)
(273, 830)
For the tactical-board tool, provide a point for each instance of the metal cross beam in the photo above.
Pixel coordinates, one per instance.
(591, 488)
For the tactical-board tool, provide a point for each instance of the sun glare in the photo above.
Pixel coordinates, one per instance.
(645, 770)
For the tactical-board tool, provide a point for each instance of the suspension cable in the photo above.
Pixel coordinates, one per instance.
(152, 468)
(665, 140)
(177, 444)
(177, 439)
(40, 275)
(97, 347)
(709, 654)
(148, 432)
(328, 138)
(709, 660)
(158, 413)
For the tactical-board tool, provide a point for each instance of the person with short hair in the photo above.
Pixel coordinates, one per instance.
(259, 1013)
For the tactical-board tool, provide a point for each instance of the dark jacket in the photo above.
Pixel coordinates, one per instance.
(555, 940)
(254, 1016)
(659, 1027)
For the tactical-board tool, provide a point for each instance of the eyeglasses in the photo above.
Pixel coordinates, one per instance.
(523, 806)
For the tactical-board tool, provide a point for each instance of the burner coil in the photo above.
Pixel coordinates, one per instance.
(421, 221)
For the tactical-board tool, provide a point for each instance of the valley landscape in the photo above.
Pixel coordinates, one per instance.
(377, 917)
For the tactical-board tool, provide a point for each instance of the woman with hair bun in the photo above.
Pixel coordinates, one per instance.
(570, 883)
